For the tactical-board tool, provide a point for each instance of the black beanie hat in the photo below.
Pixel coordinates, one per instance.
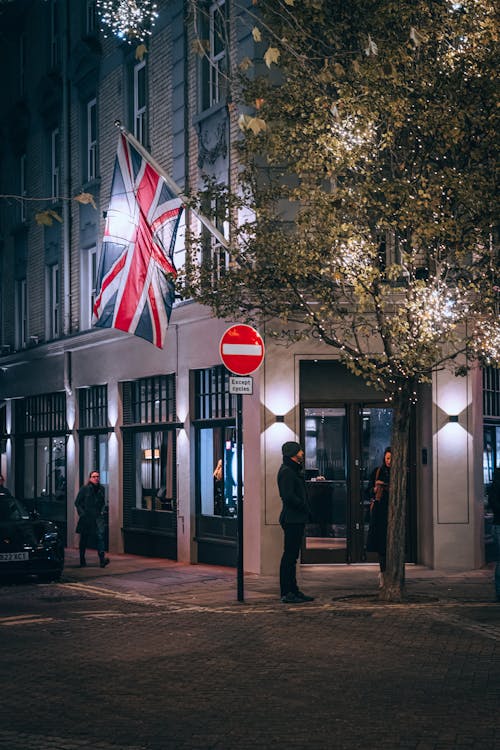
(290, 449)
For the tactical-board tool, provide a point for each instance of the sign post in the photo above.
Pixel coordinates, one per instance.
(241, 350)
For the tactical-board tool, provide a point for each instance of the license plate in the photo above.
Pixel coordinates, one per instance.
(12, 556)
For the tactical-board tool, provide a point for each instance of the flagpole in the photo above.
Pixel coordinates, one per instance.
(172, 184)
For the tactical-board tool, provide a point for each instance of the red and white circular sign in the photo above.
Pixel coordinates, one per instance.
(242, 349)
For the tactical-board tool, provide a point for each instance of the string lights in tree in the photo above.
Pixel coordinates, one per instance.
(130, 20)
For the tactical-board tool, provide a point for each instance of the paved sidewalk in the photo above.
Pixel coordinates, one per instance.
(211, 585)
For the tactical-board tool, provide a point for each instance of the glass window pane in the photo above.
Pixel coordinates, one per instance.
(29, 469)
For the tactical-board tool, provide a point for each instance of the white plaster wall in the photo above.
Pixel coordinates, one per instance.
(456, 494)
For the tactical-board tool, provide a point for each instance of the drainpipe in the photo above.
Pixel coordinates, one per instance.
(66, 208)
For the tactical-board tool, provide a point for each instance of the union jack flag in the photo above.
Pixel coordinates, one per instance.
(136, 274)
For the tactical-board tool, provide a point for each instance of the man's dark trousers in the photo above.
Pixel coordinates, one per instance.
(294, 533)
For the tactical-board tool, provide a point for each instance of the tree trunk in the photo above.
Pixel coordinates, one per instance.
(394, 576)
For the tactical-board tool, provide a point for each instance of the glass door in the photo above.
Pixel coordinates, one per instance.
(343, 447)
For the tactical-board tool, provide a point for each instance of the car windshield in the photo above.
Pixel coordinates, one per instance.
(12, 509)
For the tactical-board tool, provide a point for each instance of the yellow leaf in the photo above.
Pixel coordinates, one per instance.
(245, 64)
(256, 125)
(140, 52)
(55, 215)
(272, 55)
(199, 46)
(289, 2)
(257, 36)
(45, 218)
(86, 198)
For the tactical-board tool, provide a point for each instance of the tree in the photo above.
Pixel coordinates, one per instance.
(367, 181)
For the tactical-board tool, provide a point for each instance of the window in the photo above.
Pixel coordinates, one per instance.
(53, 301)
(54, 163)
(150, 412)
(93, 403)
(91, 140)
(40, 423)
(214, 64)
(140, 102)
(90, 17)
(21, 321)
(54, 35)
(22, 186)
(88, 286)
(94, 432)
(153, 399)
(216, 457)
(212, 398)
(22, 64)
(215, 255)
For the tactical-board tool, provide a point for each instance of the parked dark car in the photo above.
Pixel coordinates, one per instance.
(28, 544)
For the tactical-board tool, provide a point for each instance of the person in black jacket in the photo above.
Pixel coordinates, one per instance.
(494, 503)
(3, 489)
(379, 511)
(90, 503)
(293, 518)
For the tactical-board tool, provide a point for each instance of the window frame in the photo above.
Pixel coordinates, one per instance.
(54, 164)
(53, 301)
(140, 109)
(91, 143)
(21, 318)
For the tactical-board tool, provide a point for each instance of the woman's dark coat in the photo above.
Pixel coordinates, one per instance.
(293, 493)
(377, 533)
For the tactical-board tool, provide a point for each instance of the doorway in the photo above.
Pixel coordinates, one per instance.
(343, 447)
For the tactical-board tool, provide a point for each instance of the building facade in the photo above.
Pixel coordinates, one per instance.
(156, 423)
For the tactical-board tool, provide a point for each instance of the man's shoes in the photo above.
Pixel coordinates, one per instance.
(105, 561)
(296, 598)
(304, 597)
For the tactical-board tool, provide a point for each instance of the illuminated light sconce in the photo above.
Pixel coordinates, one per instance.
(453, 418)
(279, 418)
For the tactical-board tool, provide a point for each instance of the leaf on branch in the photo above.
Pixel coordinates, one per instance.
(416, 37)
(200, 46)
(289, 2)
(272, 55)
(46, 218)
(245, 64)
(356, 67)
(255, 124)
(372, 48)
(140, 52)
(86, 198)
(257, 36)
(339, 71)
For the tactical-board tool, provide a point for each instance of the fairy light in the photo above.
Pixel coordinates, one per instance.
(130, 20)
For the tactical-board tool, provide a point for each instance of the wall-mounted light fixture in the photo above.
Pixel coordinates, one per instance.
(453, 418)
(279, 418)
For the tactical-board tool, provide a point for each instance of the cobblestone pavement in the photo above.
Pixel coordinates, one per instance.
(156, 655)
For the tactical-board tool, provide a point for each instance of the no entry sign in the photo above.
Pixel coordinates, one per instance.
(242, 349)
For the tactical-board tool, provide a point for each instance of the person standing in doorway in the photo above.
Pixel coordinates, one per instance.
(3, 489)
(379, 512)
(293, 518)
(494, 503)
(90, 503)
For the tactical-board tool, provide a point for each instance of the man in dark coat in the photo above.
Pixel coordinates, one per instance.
(90, 503)
(293, 518)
